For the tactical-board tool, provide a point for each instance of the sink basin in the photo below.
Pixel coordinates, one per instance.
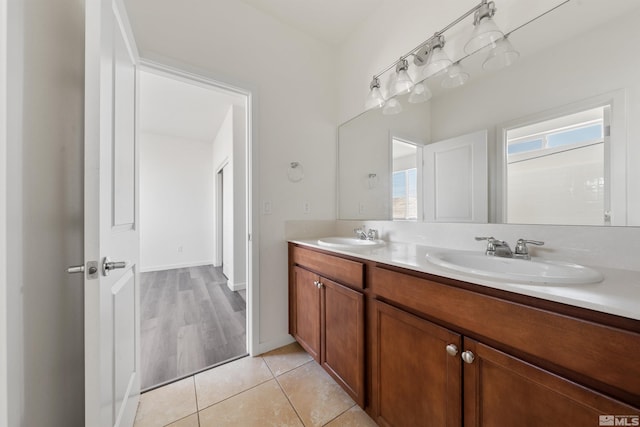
(349, 243)
(515, 270)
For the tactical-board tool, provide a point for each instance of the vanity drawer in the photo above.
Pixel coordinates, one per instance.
(600, 356)
(341, 270)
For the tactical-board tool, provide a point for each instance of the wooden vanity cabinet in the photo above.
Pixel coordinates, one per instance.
(532, 379)
(502, 390)
(441, 352)
(326, 315)
(306, 300)
(415, 380)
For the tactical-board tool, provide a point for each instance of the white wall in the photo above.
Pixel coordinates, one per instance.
(292, 78)
(45, 213)
(176, 202)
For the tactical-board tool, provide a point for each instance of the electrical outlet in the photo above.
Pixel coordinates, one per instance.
(180, 248)
(306, 207)
(361, 207)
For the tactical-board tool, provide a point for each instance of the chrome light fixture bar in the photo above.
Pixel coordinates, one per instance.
(486, 36)
(431, 57)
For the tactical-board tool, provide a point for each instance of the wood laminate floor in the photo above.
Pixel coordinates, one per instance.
(190, 320)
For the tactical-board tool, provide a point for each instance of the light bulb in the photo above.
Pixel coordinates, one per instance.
(375, 98)
(486, 32)
(403, 83)
(437, 59)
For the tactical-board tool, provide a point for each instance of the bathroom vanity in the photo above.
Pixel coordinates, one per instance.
(417, 345)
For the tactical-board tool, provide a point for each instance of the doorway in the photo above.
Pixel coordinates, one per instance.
(193, 313)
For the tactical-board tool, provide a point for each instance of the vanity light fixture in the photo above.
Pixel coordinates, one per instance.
(375, 98)
(420, 93)
(403, 83)
(456, 76)
(391, 107)
(486, 32)
(501, 55)
(437, 59)
(431, 59)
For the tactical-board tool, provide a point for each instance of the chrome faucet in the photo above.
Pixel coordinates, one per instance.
(360, 233)
(501, 248)
(372, 234)
(497, 247)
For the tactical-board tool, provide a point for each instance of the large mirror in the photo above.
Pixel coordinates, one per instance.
(563, 146)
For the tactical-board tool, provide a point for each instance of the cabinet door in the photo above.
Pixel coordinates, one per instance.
(306, 311)
(501, 390)
(416, 382)
(343, 337)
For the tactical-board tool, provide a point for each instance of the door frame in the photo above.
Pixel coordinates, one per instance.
(178, 71)
(219, 204)
(4, 35)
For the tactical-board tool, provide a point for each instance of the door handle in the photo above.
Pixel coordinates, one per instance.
(76, 269)
(92, 269)
(108, 265)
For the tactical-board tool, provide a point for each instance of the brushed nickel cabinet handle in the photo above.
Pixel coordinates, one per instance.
(468, 356)
(452, 349)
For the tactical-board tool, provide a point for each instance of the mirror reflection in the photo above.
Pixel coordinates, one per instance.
(562, 145)
(404, 188)
(556, 170)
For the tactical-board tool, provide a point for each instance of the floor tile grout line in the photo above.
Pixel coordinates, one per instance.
(286, 396)
(196, 388)
(294, 408)
(339, 415)
(234, 395)
(180, 419)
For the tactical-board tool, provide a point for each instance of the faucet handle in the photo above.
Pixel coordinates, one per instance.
(522, 251)
(491, 244)
(372, 234)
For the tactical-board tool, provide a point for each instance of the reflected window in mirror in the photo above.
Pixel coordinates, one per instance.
(556, 170)
(404, 186)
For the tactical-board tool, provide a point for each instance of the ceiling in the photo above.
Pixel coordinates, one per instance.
(331, 21)
(176, 108)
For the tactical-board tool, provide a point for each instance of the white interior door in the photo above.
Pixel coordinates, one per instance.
(455, 179)
(112, 378)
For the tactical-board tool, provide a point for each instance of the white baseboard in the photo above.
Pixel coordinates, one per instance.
(267, 346)
(236, 286)
(148, 269)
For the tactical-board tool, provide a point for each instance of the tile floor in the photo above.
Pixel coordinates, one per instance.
(284, 387)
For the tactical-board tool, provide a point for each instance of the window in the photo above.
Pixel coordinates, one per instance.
(405, 194)
(555, 170)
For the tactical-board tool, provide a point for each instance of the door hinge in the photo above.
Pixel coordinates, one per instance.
(249, 236)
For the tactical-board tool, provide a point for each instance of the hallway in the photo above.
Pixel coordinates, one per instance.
(190, 320)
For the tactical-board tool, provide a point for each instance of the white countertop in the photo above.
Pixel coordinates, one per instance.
(618, 293)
